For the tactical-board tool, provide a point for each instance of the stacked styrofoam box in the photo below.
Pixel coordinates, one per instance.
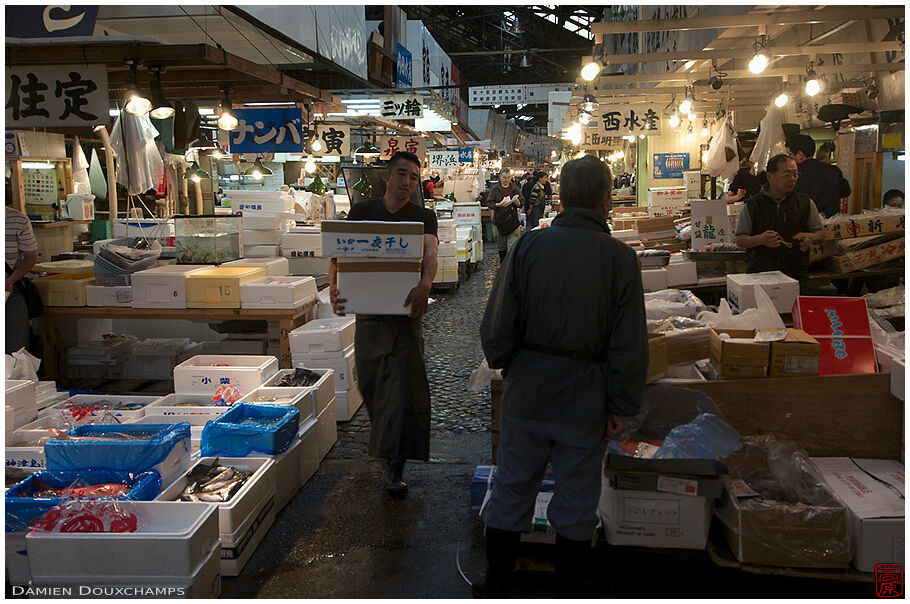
(274, 267)
(155, 358)
(322, 392)
(46, 395)
(104, 357)
(464, 243)
(447, 254)
(246, 517)
(204, 374)
(302, 246)
(265, 217)
(681, 271)
(162, 286)
(379, 263)
(111, 295)
(88, 409)
(20, 395)
(278, 292)
(329, 344)
(175, 548)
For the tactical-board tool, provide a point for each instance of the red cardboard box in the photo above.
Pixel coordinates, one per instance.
(841, 326)
(833, 317)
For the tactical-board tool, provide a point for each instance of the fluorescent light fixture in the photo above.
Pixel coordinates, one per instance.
(268, 104)
(207, 111)
(37, 165)
(234, 177)
(359, 101)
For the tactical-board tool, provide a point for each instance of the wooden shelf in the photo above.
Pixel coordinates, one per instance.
(60, 223)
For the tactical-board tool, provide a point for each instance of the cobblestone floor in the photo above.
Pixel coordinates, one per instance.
(452, 340)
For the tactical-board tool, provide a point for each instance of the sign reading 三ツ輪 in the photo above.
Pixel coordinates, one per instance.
(56, 95)
(401, 107)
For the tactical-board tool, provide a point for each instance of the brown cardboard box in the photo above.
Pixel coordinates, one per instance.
(657, 355)
(738, 359)
(871, 256)
(796, 356)
(859, 225)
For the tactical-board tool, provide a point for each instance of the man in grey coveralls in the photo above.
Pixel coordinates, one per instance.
(566, 324)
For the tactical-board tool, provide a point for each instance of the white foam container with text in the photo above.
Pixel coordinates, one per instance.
(162, 286)
(323, 335)
(323, 390)
(200, 375)
(347, 403)
(341, 362)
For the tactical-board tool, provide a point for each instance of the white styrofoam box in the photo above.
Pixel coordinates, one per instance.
(299, 397)
(301, 242)
(261, 202)
(447, 249)
(681, 273)
(242, 346)
(20, 393)
(468, 214)
(155, 358)
(163, 286)
(287, 473)
(25, 416)
(43, 423)
(477, 251)
(445, 229)
(252, 237)
(204, 582)
(238, 548)
(85, 402)
(196, 422)
(181, 407)
(10, 419)
(377, 287)
(323, 335)
(17, 571)
(885, 356)
(681, 373)
(274, 267)
(172, 539)
(323, 391)
(18, 455)
(347, 403)
(327, 430)
(342, 362)
(278, 292)
(782, 290)
(666, 200)
(116, 295)
(372, 239)
(876, 509)
(147, 227)
(203, 374)
(309, 266)
(309, 450)
(654, 519)
(261, 251)
(654, 279)
(266, 221)
(898, 370)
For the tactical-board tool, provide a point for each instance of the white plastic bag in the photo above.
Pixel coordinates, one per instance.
(765, 316)
(133, 142)
(717, 164)
(22, 365)
(672, 303)
(480, 377)
(770, 140)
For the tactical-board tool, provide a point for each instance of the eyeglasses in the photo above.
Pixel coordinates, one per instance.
(793, 173)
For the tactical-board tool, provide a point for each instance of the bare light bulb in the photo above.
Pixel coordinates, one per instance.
(704, 131)
(685, 106)
(195, 178)
(257, 175)
(782, 99)
(691, 117)
(674, 121)
(310, 165)
(590, 71)
(316, 145)
(227, 121)
(584, 117)
(813, 87)
(759, 62)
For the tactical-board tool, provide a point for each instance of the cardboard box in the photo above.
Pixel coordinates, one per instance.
(666, 200)
(689, 486)
(377, 287)
(653, 519)
(795, 356)
(372, 239)
(654, 279)
(859, 225)
(737, 358)
(898, 371)
(876, 509)
(782, 290)
(663, 227)
(852, 261)
(841, 326)
(445, 230)
(657, 356)
(681, 273)
(825, 249)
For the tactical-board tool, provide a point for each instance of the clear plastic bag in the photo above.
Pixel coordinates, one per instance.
(22, 365)
(717, 163)
(765, 316)
(87, 516)
(886, 297)
(770, 141)
(480, 377)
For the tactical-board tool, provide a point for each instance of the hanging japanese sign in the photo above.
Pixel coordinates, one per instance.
(405, 67)
(283, 130)
(443, 159)
(56, 95)
(626, 120)
(336, 139)
(594, 140)
(50, 21)
(390, 145)
(710, 223)
(670, 165)
(466, 155)
(401, 107)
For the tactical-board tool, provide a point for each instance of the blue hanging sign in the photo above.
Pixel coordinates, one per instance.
(670, 165)
(274, 130)
(404, 74)
(466, 155)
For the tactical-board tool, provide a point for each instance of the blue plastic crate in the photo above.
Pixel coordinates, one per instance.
(248, 428)
(115, 454)
(21, 509)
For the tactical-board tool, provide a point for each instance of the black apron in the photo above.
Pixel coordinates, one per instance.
(393, 380)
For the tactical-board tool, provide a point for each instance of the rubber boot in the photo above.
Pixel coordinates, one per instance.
(395, 485)
(574, 578)
(502, 552)
(502, 255)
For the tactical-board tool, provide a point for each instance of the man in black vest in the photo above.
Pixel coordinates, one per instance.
(778, 225)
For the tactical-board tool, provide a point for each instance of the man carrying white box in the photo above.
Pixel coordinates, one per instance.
(389, 348)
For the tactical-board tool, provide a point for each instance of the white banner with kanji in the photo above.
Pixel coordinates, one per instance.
(710, 223)
(401, 107)
(443, 159)
(389, 145)
(627, 120)
(56, 95)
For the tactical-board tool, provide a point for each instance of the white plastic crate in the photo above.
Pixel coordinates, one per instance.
(347, 403)
(205, 582)
(301, 398)
(323, 390)
(162, 286)
(173, 539)
(341, 362)
(323, 335)
(328, 430)
(199, 375)
(185, 407)
(116, 295)
(278, 292)
(287, 473)
(29, 458)
(309, 450)
(274, 267)
(59, 411)
(20, 393)
(261, 251)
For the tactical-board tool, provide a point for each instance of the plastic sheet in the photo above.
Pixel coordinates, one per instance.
(90, 516)
(764, 316)
(672, 303)
(790, 511)
(22, 507)
(886, 297)
(139, 163)
(250, 428)
(112, 453)
(686, 421)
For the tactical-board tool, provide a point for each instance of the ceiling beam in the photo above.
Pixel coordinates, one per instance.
(828, 14)
(746, 53)
(473, 53)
